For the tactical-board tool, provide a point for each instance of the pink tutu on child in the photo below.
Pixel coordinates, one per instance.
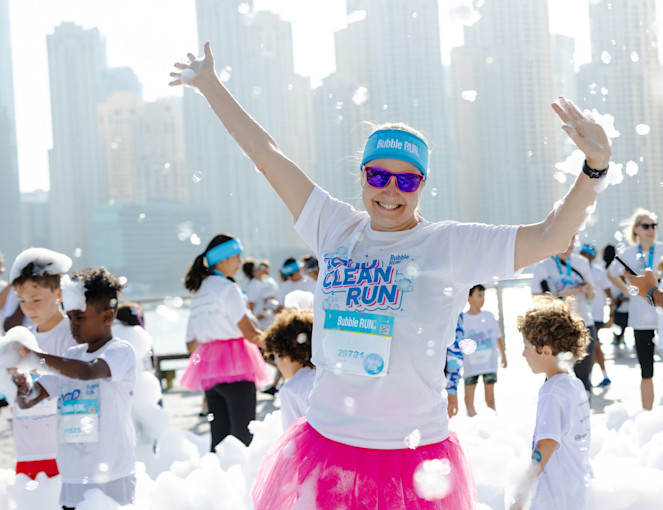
(306, 470)
(225, 361)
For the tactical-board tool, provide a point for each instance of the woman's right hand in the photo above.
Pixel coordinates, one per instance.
(197, 71)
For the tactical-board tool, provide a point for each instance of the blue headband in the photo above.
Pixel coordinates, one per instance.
(397, 144)
(223, 251)
(588, 249)
(291, 268)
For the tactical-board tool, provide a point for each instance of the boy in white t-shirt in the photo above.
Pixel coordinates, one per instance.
(289, 338)
(93, 388)
(483, 334)
(554, 338)
(35, 277)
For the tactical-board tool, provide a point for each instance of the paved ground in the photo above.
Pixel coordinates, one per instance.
(183, 406)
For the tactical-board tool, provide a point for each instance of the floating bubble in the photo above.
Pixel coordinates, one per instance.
(414, 15)
(349, 404)
(195, 359)
(642, 129)
(339, 105)
(431, 479)
(225, 74)
(619, 236)
(210, 417)
(529, 154)
(141, 217)
(448, 291)
(433, 192)
(430, 343)
(467, 346)
(412, 270)
(413, 439)
(243, 8)
(360, 96)
(490, 60)
(604, 91)
(631, 168)
(469, 95)
(659, 310)
(194, 239)
(356, 16)
(302, 338)
(103, 467)
(565, 360)
(113, 302)
(606, 57)
(256, 91)
(546, 140)
(166, 312)
(593, 89)
(42, 361)
(463, 12)
(430, 352)
(632, 290)
(197, 177)
(173, 301)
(78, 252)
(420, 331)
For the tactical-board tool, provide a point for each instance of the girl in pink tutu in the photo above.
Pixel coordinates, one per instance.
(222, 337)
(390, 289)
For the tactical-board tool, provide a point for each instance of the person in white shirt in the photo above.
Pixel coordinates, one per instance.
(569, 275)
(562, 435)
(289, 339)
(222, 337)
(390, 289)
(295, 279)
(645, 253)
(94, 390)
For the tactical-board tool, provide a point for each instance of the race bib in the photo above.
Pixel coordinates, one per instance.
(79, 415)
(357, 342)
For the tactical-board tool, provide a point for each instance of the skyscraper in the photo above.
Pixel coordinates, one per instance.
(76, 59)
(11, 228)
(506, 137)
(254, 55)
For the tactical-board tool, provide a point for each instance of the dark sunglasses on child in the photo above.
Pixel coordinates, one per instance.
(378, 177)
(647, 226)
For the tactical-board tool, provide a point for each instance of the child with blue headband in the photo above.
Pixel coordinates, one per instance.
(389, 292)
(222, 338)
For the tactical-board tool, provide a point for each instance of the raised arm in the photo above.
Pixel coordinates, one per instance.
(289, 181)
(540, 240)
(72, 368)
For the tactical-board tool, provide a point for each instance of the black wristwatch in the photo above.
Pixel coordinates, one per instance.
(594, 174)
(650, 295)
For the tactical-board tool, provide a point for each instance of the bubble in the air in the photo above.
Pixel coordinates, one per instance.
(197, 177)
(529, 154)
(606, 57)
(349, 404)
(642, 129)
(414, 15)
(632, 290)
(433, 192)
(565, 360)
(546, 140)
(167, 313)
(604, 91)
(42, 361)
(174, 301)
(413, 439)
(631, 168)
(431, 479)
(634, 56)
(620, 247)
(302, 338)
(339, 105)
(210, 417)
(195, 359)
(462, 11)
(619, 235)
(659, 310)
(103, 467)
(256, 91)
(469, 95)
(141, 217)
(593, 88)
(194, 239)
(467, 346)
(412, 270)
(490, 60)
(243, 8)
(385, 106)
(225, 74)
(32, 485)
(560, 177)
(420, 331)
(356, 16)
(360, 96)
(78, 252)
(448, 291)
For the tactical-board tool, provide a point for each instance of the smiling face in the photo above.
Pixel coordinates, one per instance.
(648, 235)
(39, 304)
(389, 208)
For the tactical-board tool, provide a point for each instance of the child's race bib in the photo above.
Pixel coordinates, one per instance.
(79, 415)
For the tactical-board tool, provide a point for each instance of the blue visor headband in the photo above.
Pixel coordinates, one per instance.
(588, 249)
(223, 251)
(291, 268)
(397, 144)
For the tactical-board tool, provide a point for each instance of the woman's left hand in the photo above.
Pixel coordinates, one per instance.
(586, 133)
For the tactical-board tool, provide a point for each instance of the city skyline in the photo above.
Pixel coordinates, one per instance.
(33, 108)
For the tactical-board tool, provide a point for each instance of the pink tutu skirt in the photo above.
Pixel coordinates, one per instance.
(306, 470)
(225, 361)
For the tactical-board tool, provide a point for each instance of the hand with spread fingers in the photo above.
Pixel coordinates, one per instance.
(586, 133)
(197, 71)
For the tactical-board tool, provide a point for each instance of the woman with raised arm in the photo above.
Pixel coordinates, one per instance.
(390, 289)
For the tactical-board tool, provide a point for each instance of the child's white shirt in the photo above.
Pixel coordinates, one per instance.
(563, 415)
(306, 283)
(484, 330)
(215, 309)
(600, 277)
(96, 437)
(35, 429)
(294, 395)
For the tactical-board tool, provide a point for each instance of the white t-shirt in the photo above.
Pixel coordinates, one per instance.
(268, 289)
(560, 276)
(294, 395)
(562, 415)
(306, 283)
(252, 290)
(215, 309)
(96, 437)
(35, 429)
(600, 278)
(483, 329)
(640, 314)
(413, 284)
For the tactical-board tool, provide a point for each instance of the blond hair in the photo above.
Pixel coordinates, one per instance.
(634, 220)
